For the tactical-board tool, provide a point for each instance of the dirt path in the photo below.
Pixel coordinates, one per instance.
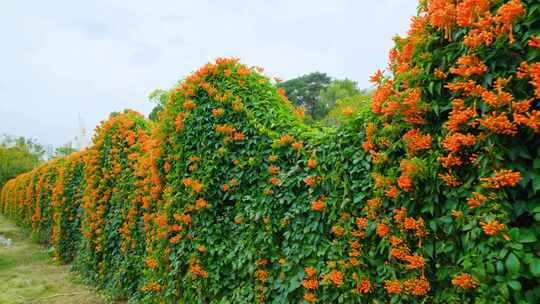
(28, 275)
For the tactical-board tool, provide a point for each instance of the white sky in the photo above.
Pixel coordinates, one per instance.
(62, 58)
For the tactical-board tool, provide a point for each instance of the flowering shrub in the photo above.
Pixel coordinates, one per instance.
(230, 198)
(455, 149)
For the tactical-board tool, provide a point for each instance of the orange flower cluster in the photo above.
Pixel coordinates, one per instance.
(492, 228)
(197, 271)
(455, 141)
(336, 277)
(465, 280)
(476, 200)
(502, 178)
(499, 124)
(392, 286)
(318, 205)
(416, 142)
(469, 65)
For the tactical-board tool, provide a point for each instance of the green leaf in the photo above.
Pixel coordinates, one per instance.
(515, 285)
(526, 236)
(512, 264)
(535, 267)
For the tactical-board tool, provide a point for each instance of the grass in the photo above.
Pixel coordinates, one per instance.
(29, 276)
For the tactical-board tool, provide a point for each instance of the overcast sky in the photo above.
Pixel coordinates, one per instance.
(62, 58)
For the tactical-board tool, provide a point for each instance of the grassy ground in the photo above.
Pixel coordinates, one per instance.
(28, 275)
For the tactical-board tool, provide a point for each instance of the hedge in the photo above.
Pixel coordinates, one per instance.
(431, 196)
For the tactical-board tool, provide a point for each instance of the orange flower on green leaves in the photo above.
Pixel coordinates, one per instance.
(476, 200)
(151, 263)
(274, 181)
(273, 169)
(201, 203)
(189, 105)
(392, 286)
(312, 163)
(392, 192)
(298, 145)
(336, 277)
(310, 284)
(534, 42)
(492, 228)
(469, 65)
(416, 142)
(465, 280)
(238, 136)
(417, 287)
(364, 286)
(455, 141)
(449, 179)
(310, 271)
(382, 230)
(310, 297)
(218, 112)
(285, 139)
(502, 178)
(318, 205)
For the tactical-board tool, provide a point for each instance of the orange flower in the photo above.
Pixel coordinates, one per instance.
(449, 179)
(238, 136)
(312, 163)
(392, 286)
(465, 280)
(376, 78)
(151, 262)
(336, 277)
(310, 297)
(416, 142)
(492, 228)
(454, 141)
(310, 284)
(285, 139)
(457, 214)
(189, 105)
(261, 275)
(310, 180)
(405, 182)
(218, 112)
(196, 186)
(417, 287)
(273, 169)
(507, 15)
(197, 271)
(503, 178)
(225, 187)
(476, 200)
(415, 261)
(382, 230)
(534, 42)
(364, 286)
(392, 192)
(310, 271)
(275, 181)
(469, 65)
(298, 145)
(317, 205)
(201, 203)
(338, 230)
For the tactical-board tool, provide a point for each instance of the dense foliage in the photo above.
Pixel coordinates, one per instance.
(432, 197)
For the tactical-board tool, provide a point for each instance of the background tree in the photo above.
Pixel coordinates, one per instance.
(18, 155)
(305, 91)
(64, 150)
(159, 98)
(336, 90)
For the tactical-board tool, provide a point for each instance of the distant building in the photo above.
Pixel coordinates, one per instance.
(81, 139)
